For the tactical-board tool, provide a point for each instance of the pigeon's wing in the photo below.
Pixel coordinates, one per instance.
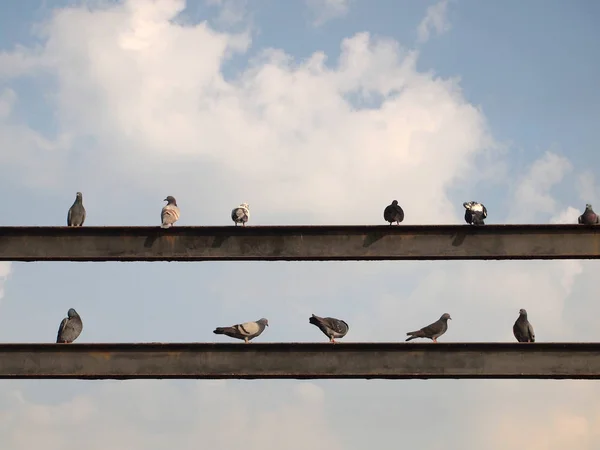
(530, 332)
(432, 329)
(238, 214)
(400, 213)
(247, 328)
(70, 217)
(336, 325)
(580, 219)
(61, 328)
(82, 214)
(169, 214)
(388, 213)
(517, 332)
(484, 211)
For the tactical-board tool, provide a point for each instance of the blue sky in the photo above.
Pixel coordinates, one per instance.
(294, 107)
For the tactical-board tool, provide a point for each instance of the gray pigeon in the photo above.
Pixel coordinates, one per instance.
(70, 328)
(589, 217)
(76, 215)
(475, 213)
(522, 329)
(431, 331)
(241, 214)
(393, 213)
(332, 328)
(170, 212)
(246, 331)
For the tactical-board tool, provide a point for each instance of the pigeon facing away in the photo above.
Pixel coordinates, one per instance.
(70, 328)
(522, 329)
(393, 213)
(589, 217)
(170, 212)
(241, 214)
(246, 331)
(76, 215)
(332, 328)
(432, 331)
(475, 213)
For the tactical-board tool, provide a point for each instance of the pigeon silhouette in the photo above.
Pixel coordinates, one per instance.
(70, 328)
(170, 212)
(332, 328)
(431, 331)
(589, 217)
(393, 213)
(76, 214)
(475, 213)
(522, 329)
(241, 214)
(246, 331)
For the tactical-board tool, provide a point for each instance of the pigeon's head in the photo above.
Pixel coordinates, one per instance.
(588, 206)
(71, 313)
(170, 200)
(263, 321)
(245, 206)
(445, 316)
(467, 205)
(79, 195)
(522, 312)
(395, 203)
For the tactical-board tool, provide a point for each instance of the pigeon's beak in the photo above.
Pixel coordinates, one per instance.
(450, 318)
(165, 200)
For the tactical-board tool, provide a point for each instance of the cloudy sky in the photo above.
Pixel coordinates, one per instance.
(313, 112)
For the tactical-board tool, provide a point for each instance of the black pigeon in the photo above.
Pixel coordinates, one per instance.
(246, 331)
(522, 329)
(332, 328)
(393, 213)
(475, 213)
(76, 215)
(70, 328)
(431, 331)
(589, 217)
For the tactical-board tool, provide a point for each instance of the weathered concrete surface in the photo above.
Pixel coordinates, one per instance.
(290, 243)
(301, 360)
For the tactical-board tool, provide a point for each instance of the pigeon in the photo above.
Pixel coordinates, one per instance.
(589, 217)
(70, 328)
(522, 329)
(170, 212)
(241, 214)
(475, 213)
(76, 215)
(431, 331)
(246, 331)
(393, 213)
(332, 328)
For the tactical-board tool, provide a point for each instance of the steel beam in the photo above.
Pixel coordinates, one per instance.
(301, 360)
(300, 243)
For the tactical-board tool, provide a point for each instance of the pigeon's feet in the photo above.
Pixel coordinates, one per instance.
(435, 340)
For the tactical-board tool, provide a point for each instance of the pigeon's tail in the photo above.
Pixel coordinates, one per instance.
(166, 225)
(413, 335)
(221, 330)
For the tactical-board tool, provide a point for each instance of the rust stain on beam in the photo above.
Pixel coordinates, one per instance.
(300, 243)
(300, 361)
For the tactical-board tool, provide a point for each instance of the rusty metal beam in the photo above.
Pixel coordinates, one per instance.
(301, 360)
(300, 243)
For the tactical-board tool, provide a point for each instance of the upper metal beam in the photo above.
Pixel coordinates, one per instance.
(299, 243)
(301, 361)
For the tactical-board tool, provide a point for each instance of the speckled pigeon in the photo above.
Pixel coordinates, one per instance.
(170, 212)
(241, 214)
(332, 328)
(475, 213)
(589, 217)
(393, 213)
(432, 331)
(522, 329)
(70, 328)
(76, 214)
(246, 331)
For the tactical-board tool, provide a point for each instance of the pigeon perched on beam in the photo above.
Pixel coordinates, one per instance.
(522, 329)
(246, 331)
(241, 214)
(589, 217)
(170, 212)
(70, 328)
(431, 331)
(76, 214)
(475, 213)
(393, 213)
(332, 328)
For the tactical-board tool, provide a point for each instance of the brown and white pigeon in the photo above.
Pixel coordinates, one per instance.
(170, 212)
(76, 214)
(431, 331)
(475, 213)
(241, 214)
(332, 328)
(246, 331)
(393, 213)
(522, 329)
(70, 328)
(589, 217)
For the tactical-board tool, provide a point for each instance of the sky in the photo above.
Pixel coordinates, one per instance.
(312, 112)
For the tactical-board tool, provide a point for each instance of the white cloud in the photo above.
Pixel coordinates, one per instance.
(326, 10)
(435, 20)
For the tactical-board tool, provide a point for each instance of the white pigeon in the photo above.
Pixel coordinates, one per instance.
(170, 212)
(241, 214)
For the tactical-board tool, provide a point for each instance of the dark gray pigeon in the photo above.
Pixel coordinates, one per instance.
(76, 214)
(475, 213)
(70, 328)
(246, 331)
(241, 214)
(522, 329)
(431, 331)
(393, 213)
(170, 212)
(332, 328)
(589, 217)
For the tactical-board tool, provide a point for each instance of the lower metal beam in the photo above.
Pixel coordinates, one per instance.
(301, 361)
